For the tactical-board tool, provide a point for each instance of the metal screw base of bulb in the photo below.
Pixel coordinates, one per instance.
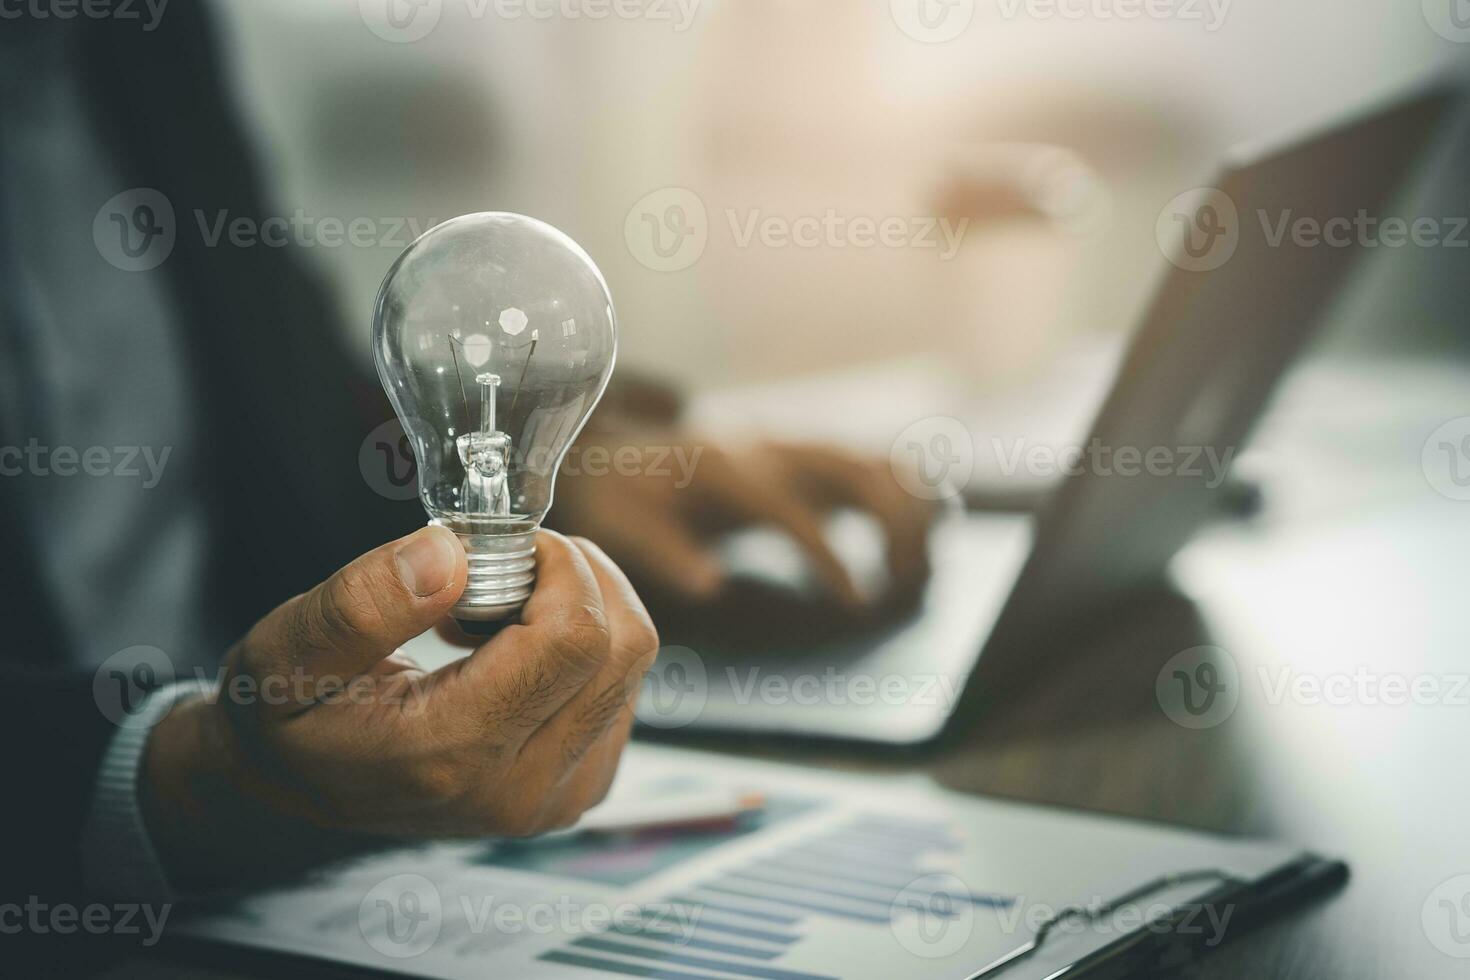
(502, 572)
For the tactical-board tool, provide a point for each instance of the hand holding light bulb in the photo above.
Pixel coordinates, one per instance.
(494, 336)
(322, 731)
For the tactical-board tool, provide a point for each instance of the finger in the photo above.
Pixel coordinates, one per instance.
(509, 687)
(633, 632)
(594, 776)
(662, 550)
(596, 773)
(906, 522)
(363, 613)
(905, 519)
(761, 502)
(583, 743)
(606, 703)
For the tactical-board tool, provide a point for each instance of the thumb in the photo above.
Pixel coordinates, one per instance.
(362, 613)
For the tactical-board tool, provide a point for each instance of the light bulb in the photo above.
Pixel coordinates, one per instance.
(495, 336)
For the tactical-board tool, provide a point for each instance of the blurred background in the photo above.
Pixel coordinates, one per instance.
(1045, 137)
(793, 107)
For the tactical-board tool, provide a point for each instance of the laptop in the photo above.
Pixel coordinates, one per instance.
(1247, 285)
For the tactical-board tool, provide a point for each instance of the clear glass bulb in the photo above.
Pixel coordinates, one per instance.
(494, 336)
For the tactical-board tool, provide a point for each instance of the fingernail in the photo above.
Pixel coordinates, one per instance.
(426, 561)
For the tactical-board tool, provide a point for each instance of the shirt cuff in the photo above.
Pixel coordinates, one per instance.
(118, 857)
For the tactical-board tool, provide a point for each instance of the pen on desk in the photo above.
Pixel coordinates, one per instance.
(701, 810)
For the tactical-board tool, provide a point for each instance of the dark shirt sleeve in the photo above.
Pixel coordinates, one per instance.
(54, 737)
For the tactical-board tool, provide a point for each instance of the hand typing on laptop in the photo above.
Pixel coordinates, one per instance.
(321, 725)
(661, 519)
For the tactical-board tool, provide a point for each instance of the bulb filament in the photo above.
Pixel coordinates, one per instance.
(486, 457)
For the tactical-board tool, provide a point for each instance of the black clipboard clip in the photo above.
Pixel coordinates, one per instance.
(1145, 950)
